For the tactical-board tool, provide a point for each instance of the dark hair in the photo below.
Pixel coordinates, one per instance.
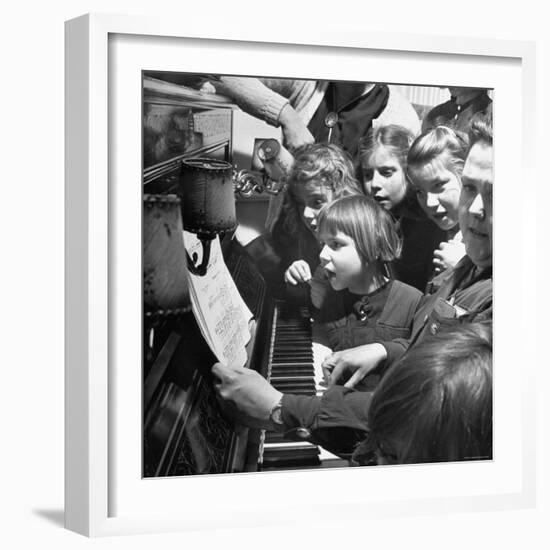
(362, 219)
(394, 137)
(437, 141)
(437, 401)
(398, 140)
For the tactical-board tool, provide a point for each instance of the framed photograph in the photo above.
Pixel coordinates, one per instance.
(149, 446)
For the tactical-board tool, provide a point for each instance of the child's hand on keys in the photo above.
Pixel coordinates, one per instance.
(298, 272)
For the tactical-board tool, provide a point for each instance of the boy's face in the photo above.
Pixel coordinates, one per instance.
(311, 196)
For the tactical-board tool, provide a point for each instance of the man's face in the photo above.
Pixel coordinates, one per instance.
(475, 210)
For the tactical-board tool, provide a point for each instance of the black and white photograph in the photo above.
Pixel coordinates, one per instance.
(317, 274)
(248, 270)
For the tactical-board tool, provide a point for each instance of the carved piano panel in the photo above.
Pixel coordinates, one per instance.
(185, 431)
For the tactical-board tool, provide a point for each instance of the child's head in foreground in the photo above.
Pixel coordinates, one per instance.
(435, 405)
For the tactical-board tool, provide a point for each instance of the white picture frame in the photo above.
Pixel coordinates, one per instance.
(103, 53)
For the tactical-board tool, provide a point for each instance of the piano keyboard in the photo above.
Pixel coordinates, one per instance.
(294, 366)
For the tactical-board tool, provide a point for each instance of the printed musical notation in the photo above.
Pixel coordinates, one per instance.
(221, 313)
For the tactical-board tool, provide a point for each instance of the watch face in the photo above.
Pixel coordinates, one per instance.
(276, 415)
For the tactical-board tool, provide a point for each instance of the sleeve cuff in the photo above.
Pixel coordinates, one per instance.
(299, 410)
(272, 108)
(394, 350)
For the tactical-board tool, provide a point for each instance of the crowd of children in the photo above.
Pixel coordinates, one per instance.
(389, 241)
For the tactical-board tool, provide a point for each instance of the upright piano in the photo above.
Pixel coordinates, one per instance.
(185, 431)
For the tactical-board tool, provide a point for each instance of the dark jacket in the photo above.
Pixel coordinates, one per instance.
(458, 117)
(349, 320)
(274, 252)
(420, 237)
(463, 295)
(338, 419)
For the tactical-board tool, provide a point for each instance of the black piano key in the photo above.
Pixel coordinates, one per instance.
(293, 385)
(293, 337)
(290, 380)
(290, 362)
(299, 379)
(296, 358)
(278, 373)
(290, 359)
(293, 365)
(291, 344)
(285, 365)
(279, 366)
(292, 351)
(302, 336)
(296, 350)
(290, 365)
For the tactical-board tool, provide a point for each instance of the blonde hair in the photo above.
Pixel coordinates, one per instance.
(328, 164)
(397, 139)
(435, 142)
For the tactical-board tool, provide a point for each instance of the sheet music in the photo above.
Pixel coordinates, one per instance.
(221, 313)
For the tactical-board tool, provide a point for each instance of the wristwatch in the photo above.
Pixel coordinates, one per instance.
(276, 415)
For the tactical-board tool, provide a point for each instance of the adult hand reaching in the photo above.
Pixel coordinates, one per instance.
(295, 131)
(246, 394)
(354, 363)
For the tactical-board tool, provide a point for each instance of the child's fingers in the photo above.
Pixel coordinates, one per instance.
(303, 271)
(289, 278)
